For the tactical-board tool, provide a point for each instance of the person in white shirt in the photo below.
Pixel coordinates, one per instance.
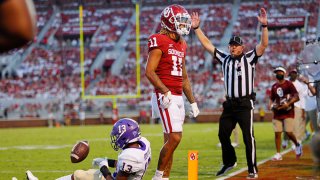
(311, 105)
(311, 114)
(299, 109)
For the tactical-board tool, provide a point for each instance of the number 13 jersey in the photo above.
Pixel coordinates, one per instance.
(135, 161)
(173, 56)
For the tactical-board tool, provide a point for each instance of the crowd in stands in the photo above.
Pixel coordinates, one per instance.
(53, 68)
(217, 19)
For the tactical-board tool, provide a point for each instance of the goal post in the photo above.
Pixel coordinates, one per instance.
(138, 76)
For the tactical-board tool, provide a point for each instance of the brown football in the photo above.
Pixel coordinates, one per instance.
(79, 151)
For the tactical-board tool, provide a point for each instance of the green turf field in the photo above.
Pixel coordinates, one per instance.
(45, 151)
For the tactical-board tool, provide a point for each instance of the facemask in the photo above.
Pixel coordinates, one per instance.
(280, 77)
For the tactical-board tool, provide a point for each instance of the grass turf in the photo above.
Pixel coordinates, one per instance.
(46, 151)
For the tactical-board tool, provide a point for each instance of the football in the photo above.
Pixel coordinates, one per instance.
(79, 151)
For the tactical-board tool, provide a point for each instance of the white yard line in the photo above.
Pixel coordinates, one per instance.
(49, 146)
(37, 171)
(33, 147)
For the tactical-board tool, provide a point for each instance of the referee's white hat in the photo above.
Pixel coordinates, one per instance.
(280, 68)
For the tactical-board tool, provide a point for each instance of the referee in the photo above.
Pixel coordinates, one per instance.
(238, 70)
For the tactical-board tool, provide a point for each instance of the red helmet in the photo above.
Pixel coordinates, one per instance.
(176, 18)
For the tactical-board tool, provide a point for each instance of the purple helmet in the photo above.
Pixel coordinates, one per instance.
(124, 131)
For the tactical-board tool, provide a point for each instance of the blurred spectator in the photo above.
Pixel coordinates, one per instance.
(261, 113)
(101, 116)
(311, 106)
(5, 112)
(115, 115)
(50, 119)
(67, 119)
(299, 107)
(82, 116)
(143, 117)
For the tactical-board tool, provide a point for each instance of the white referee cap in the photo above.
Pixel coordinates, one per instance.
(280, 68)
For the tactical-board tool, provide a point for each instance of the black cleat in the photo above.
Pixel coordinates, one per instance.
(226, 168)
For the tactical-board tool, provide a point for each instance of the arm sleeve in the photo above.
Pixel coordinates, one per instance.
(219, 55)
(252, 56)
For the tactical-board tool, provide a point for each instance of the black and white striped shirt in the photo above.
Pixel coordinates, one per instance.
(238, 72)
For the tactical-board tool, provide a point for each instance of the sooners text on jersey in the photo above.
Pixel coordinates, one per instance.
(169, 68)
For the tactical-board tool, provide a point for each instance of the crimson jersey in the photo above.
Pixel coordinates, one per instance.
(169, 68)
(281, 93)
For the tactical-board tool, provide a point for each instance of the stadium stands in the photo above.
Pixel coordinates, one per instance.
(51, 68)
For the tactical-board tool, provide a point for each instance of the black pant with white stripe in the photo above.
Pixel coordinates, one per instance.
(238, 110)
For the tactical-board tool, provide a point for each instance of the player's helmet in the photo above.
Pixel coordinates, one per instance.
(176, 18)
(124, 131)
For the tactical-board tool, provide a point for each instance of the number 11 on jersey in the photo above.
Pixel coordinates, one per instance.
(177, 66)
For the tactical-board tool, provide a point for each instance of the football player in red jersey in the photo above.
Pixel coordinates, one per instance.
(166, 70)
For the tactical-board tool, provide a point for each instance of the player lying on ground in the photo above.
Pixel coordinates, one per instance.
(132, 162)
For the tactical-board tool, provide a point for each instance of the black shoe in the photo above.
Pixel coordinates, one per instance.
(226, 168)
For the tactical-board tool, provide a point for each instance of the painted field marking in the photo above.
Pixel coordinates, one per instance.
(246, 168)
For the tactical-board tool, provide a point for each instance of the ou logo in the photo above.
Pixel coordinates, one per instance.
(166, 12)
(280, 92)
(192, 156)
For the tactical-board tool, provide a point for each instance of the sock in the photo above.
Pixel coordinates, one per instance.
(158, 173)
(165, 178)
(68, 177)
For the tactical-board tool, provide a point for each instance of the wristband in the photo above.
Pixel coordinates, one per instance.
(264, 25)
(112, 163)
(196, 27)
(105, 171)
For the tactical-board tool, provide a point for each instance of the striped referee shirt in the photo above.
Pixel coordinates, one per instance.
(238, 72)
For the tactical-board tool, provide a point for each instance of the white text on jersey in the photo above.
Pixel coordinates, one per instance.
(175, 52)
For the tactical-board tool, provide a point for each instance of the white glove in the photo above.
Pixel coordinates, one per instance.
(100, 162)
(194, 110)
(165, 100)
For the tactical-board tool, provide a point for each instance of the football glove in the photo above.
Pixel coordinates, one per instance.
(165, 100)
(194, 110)
(99, 162)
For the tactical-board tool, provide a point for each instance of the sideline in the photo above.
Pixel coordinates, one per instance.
(258, 164)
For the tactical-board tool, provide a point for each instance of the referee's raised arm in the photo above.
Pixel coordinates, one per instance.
(263, 19)
(205, 42)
